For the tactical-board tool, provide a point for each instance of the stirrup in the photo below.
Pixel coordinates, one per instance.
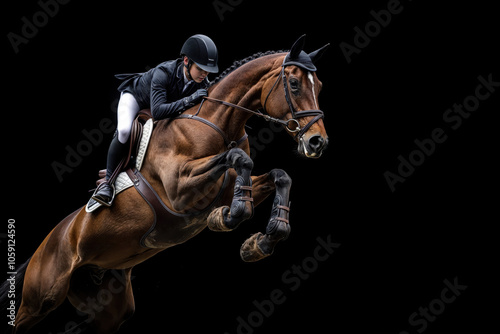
(98, 199)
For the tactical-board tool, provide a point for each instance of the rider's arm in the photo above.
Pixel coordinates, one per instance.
(159, 106)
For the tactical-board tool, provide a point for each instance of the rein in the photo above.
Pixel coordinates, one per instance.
(256, 113)
(286, 123)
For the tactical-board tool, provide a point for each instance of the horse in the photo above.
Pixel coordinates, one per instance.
(199, 166)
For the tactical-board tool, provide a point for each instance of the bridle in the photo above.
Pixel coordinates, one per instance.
(291, 124)
(295, 114)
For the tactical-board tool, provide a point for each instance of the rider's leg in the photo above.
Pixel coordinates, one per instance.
(127, 110)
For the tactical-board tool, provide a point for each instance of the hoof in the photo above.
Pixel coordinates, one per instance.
(250, 250)
(215, 220)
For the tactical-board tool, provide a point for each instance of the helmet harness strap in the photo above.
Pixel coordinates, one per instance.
(188, 67)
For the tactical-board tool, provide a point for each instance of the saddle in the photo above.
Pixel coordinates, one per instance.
(135, 139)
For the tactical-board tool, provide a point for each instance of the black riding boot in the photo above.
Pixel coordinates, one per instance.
(105, 191)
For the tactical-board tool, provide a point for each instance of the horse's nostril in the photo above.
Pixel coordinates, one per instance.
(316, 143)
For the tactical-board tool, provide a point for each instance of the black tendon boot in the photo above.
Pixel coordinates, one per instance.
(105, 191)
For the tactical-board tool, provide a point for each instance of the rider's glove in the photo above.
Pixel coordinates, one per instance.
(196, 97)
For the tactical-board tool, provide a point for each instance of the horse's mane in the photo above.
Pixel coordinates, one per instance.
(239, 63)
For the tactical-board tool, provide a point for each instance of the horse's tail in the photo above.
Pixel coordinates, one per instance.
(11, 290)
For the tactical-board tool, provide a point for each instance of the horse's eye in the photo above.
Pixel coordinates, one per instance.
(294, 85)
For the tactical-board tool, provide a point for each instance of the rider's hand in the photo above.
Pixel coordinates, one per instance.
(196, 97)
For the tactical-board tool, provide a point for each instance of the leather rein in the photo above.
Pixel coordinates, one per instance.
(286, 123)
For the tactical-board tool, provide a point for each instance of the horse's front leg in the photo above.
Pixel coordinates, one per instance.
(259, 245)
(227, 218)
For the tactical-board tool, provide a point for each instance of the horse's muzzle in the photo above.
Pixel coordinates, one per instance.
(313, 146)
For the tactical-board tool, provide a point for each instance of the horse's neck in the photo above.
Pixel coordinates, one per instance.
(242, 87)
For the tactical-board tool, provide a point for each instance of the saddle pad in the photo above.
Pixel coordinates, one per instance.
(123, 180)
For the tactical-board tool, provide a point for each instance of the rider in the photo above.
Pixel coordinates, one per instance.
(168, 89)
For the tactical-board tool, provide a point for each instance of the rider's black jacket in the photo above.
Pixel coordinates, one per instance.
(161, 88)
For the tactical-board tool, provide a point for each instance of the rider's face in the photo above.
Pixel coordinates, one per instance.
(197, 73)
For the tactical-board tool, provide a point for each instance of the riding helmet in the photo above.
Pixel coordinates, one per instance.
(202, 51)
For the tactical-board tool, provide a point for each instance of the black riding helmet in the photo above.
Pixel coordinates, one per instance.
(201, 50)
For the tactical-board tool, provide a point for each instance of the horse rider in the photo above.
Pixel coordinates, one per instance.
(168, 89)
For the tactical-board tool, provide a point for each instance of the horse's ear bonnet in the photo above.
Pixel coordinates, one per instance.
(299, 58)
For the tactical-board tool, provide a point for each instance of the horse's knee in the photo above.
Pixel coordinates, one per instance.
(280, 178)
(239, 160)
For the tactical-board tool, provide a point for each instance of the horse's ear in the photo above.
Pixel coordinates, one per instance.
(297, 47)
(316, 55)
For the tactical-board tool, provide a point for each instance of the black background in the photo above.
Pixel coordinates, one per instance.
(396, 248)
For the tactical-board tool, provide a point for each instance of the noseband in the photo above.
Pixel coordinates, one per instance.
(295, 114)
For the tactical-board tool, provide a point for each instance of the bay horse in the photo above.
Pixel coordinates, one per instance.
(189, 163)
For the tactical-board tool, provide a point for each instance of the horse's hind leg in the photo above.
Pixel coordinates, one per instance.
(45, 288)
(259, 246)
(105, 295)
(47, 277)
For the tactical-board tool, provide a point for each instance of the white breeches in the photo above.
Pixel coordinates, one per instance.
(127, 110)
